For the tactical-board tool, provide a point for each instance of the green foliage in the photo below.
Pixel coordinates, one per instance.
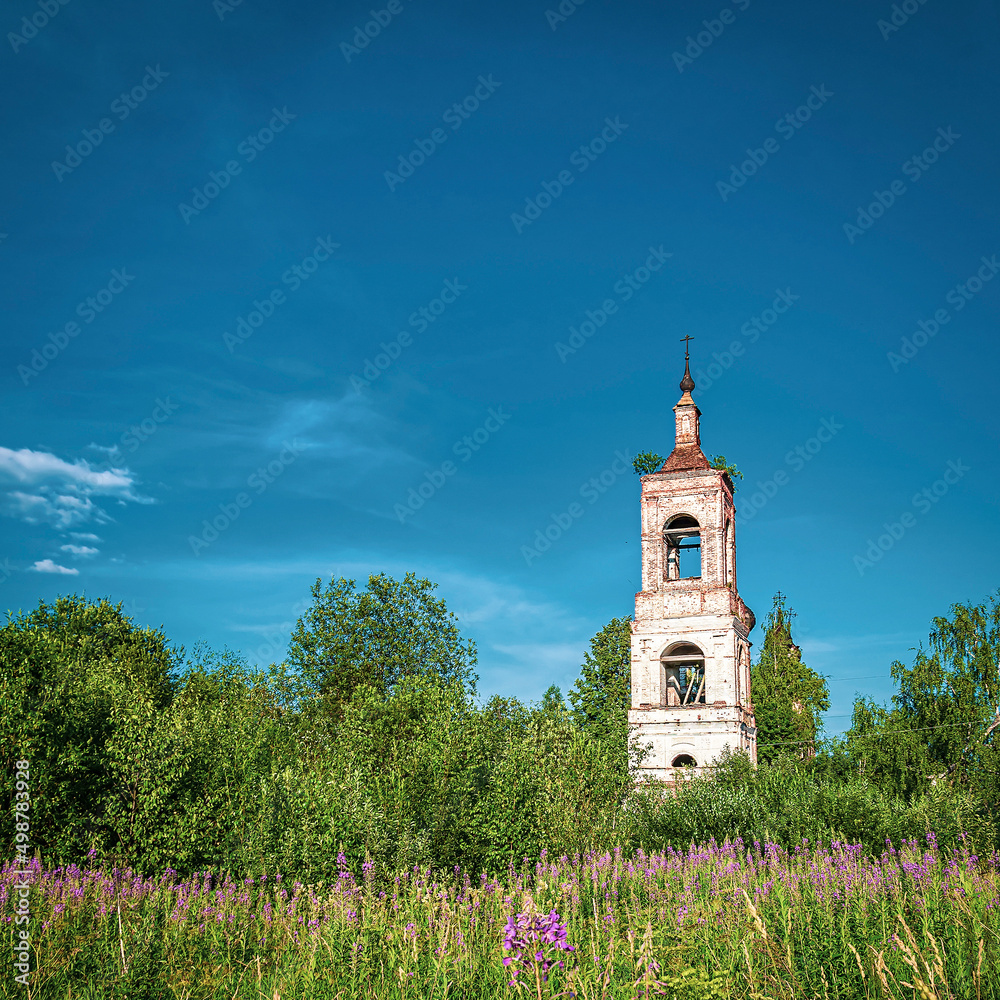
(787, 696)
(646, 462)
(720, 462)
(792, 799)
(73, 676)
(391, 630)
(943, 723)
(552, 700)
(602, 693)
(155, 758)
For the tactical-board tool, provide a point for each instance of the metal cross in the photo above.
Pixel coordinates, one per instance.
(684, 340)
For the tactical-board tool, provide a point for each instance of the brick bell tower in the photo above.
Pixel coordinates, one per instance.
(690, 636)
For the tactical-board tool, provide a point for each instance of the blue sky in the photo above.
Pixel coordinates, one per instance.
(315, 267)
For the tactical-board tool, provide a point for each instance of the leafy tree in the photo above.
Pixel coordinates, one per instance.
(943, 723)
(602, 693)
(646, 462)
(391, 630)
(719, 462)
(552, 700)
(72, 675)
(787, 696)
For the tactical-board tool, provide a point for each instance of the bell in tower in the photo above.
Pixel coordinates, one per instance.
(690, 637)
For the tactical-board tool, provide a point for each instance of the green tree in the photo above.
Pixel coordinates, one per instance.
(391, 630)
(552, 700)
(719, 462)
(72, 675)
(646, 462)
(943, 723)
(602, 693)
(787, 696)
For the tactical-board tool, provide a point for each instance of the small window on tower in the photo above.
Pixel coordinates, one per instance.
(682, 539)
(684, 760)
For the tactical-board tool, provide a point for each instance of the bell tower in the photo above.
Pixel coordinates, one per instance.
(690, 636)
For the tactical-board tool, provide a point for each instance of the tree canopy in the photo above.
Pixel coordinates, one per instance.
(944, 721)
(602, 693)
(646, 462)
(390, 630)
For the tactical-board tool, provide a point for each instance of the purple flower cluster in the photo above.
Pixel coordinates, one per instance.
(533, 943)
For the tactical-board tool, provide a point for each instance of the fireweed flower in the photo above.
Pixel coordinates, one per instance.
(533, 943)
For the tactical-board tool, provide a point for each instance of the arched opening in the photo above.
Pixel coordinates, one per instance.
(684, 760)
(682, 669)
(728, 555)
(682, 539)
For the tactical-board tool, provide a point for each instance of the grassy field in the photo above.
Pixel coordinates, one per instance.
(731, 920)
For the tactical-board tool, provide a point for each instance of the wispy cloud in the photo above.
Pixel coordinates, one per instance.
(79, 550)
(849, 643)
(40, 488)
(48, 566)
(31, 467)
(59, 510)
(549, 658)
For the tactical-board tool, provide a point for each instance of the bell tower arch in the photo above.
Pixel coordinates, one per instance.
(690, 636)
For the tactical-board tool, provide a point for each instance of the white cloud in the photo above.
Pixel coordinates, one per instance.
(84, 536)
(61, 511)
(48, 566)
(33, 467)
(79, 550)
(50, 490)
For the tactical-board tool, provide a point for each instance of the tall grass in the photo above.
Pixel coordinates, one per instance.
(732, 920)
